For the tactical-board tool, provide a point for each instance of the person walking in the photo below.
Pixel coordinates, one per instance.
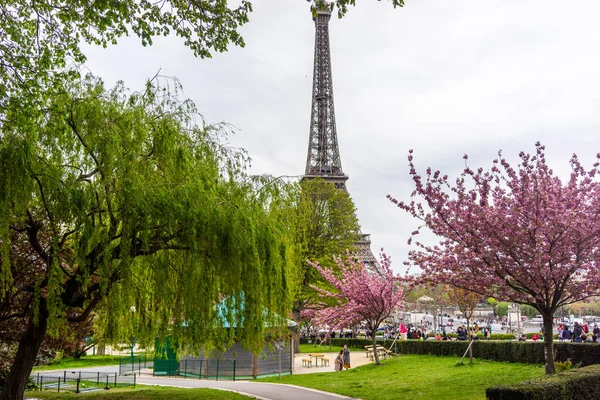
(346, 354)
(403, 331)
(339, 361)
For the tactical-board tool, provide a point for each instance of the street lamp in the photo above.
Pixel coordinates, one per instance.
(132, 310)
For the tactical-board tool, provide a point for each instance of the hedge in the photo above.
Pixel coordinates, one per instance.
(577, 384)
(511, 351)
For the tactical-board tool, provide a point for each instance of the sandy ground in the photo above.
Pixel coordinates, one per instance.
(357, 358)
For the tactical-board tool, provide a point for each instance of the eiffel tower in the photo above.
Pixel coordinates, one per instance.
(323, 160)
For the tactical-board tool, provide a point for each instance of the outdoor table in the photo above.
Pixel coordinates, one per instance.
(317, 356)
(380, 349)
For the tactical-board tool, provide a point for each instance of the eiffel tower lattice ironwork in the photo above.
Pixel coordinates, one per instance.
(323, 160)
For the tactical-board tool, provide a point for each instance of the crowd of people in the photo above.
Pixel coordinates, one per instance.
(579, 333)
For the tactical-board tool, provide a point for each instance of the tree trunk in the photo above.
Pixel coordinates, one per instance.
(375, 354)
(30, 343)
(470, 336)
(296, 332)
(548, 339)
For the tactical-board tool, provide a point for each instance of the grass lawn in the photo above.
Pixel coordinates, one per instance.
(84, 361)
(143, 393)
(313, 348)
(417, 377)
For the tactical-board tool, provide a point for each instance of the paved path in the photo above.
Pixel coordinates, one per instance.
(259, 390)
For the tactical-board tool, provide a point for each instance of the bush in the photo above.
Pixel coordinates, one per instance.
(578, 384)
(512, 351)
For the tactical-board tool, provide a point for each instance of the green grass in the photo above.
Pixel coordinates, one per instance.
(84, 361)
(312, 348)
(417, 377)
(149, 393)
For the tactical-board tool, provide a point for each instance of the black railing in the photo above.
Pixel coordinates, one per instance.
(200, 369)
(134, 365)
(80, 381)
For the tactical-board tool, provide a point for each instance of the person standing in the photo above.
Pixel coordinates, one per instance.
(339, 361)
(346, 354)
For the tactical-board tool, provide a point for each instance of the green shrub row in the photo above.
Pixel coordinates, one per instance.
(575, 384)
(511, 351)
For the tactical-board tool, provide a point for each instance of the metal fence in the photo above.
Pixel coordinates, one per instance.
(81, 381)
(200, 369)
(134, 365)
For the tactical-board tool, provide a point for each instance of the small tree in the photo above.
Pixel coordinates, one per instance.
(466, 302)
(361, 296)
(502, 308)
(516, 234)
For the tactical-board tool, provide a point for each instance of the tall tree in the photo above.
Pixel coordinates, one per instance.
(39, 38)
(124, 200)
(519, 234)
(359, 295)
(325, 225)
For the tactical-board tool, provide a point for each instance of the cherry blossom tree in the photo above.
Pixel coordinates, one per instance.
(361, 296)
(519, 234)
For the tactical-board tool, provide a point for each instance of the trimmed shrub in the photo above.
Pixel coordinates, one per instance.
(578, 384)
(512, 351)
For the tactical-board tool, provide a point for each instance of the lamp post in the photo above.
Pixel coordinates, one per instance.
(132, 310)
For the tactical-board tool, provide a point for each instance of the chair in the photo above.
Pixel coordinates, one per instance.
(306, 363)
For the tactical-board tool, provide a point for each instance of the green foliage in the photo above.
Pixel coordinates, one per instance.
(83, 362)
(325, 225)
(502, 309)
(564, 366)
(129, 199)
(528, 311)
(39, 37)
(580, 384)
(343, 5)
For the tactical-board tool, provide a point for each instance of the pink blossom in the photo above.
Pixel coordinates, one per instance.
(515, 234)
(360, 296)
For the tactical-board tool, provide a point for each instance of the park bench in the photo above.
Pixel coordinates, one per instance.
(307, 363)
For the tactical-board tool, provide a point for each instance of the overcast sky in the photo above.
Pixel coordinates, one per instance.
(444, 78)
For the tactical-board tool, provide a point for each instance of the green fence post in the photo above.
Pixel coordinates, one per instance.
(200, 371)
(98, 379)
(234, 369)
(58, 385)
(77, 390)
(185, 368)
(64, 377)
(217, 369)
(134, 381)
(106, 387)
(41, 382)
(115, 379)
(79, 374)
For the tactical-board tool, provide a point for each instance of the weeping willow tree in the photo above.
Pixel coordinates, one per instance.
(123, 200)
